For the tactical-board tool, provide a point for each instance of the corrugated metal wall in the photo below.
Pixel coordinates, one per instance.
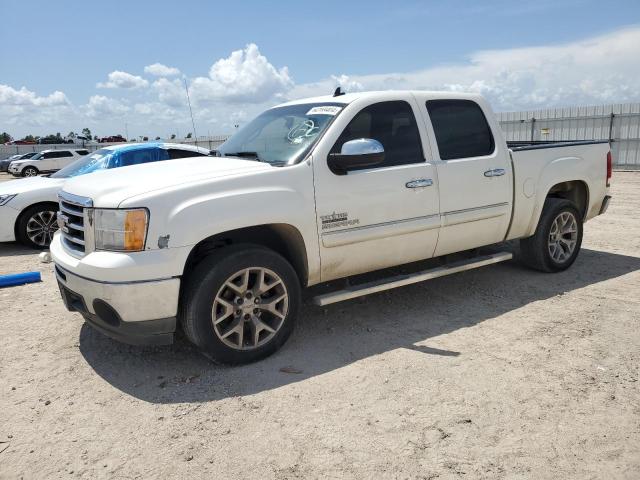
(618, 123)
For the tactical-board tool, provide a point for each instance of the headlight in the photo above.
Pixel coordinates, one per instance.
(121, 230)
(4, 199)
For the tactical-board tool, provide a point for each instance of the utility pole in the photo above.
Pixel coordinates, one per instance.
(126, 130)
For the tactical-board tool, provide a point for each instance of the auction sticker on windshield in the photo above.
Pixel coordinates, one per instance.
(325, 110)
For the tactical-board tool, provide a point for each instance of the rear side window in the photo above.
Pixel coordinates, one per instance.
(138, 157)
(64, 153)
(177, 153)
(393, 125)
(82, 152)
(461, 129)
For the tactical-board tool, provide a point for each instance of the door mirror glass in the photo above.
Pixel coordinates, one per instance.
(358, 153)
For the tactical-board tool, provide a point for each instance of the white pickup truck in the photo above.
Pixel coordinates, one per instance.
(311, 191)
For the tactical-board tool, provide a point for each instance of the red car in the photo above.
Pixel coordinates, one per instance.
(115, 138)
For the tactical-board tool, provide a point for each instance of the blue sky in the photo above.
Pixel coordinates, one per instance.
(72, 47)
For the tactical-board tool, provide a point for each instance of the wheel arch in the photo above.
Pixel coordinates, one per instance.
(28, 207)
(576, 191)
(282, 238)
(29, 166)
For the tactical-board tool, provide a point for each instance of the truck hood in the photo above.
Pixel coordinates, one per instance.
(109, 188)
(26, 185)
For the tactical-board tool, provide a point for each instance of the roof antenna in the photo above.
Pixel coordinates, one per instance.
(338, 92)
(193, 124)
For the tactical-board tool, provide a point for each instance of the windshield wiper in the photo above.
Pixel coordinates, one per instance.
(252, 155)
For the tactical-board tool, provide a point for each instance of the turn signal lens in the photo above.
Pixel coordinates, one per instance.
(135, 229)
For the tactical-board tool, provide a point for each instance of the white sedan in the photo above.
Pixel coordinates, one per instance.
(28, 206)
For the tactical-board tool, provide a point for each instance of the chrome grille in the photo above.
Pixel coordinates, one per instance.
(71, 220)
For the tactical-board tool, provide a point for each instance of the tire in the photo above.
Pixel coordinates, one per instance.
(539, 252)
(30, 172)
(36, 225)
(205, 312)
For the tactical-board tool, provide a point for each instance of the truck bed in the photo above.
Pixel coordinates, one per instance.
(538, 166)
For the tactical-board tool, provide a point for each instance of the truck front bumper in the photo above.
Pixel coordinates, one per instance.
(137, 313)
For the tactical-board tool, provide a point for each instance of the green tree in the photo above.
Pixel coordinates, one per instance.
(5, 137)
(157, 138)
(173, 136)
(189, 135)
(145, 139)
(71, 135)
(86, 132)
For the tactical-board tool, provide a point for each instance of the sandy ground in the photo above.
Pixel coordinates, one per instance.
(500, 372)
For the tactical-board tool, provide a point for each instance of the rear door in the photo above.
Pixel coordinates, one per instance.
(474, 173)
(48, 162)
(63, 158)
(382, 216)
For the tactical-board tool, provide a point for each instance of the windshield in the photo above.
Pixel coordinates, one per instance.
(98, 160)
(37, 156)
(283, 135)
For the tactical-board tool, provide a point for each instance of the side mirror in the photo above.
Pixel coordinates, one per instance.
(359, 153)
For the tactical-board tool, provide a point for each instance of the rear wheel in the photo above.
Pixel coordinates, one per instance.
(240, 304)
(556, 243)
(36, 225)
(30, 172)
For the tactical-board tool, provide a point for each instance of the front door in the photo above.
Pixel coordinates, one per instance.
(377, 217)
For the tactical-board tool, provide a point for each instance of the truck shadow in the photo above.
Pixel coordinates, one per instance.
(335, 336)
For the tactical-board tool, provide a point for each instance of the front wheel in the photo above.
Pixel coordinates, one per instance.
(30, 172)
(240, 304)
(556, 243)
(36, 225)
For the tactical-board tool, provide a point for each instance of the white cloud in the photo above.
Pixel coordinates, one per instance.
(602, 69)
(170, 92)
(101, 107)
(160, 70)
(24, 107)
(119, 79)
(26, 98)
(347, 84)
(246, 76)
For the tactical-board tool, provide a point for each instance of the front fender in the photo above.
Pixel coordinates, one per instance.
(185, 217)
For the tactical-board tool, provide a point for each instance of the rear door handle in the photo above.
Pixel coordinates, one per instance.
(496, 172)
(421, 183)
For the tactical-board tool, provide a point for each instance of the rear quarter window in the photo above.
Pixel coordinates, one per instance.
(461, 129)
(178, 153)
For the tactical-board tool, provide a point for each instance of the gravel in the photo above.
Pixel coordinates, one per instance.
(500, 372)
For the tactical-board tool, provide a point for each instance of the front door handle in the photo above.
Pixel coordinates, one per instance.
(496, 172)
(421, 183)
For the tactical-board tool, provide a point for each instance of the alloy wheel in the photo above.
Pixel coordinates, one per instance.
(563, 237)
(250, 308)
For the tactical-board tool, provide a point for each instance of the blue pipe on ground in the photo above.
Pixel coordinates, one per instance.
(19, 279)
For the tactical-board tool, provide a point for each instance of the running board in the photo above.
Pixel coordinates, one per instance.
(402, 280)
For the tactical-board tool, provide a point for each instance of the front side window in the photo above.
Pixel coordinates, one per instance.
(461, 129)
(282, 135)
(393, 124)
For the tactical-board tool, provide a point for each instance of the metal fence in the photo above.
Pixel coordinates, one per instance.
(8, 150)
(618, 123)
